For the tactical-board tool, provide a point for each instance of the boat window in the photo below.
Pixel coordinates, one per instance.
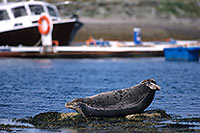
(52, 12)
(19, 11)
(36, 9)
(3, 15)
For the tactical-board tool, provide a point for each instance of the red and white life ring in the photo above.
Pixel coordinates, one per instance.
(41, 30)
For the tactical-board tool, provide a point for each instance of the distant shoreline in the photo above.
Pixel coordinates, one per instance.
(152, 30)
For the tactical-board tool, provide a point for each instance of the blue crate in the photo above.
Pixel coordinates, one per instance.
(100, 43)
(182, 53)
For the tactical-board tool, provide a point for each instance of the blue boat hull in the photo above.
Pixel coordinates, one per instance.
(182, 53)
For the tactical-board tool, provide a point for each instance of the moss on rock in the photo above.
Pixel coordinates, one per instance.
(149, 115)
(152, 120)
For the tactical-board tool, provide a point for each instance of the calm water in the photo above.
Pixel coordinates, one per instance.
(31, 86)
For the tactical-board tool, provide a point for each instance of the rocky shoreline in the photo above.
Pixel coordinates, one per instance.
(151, 120)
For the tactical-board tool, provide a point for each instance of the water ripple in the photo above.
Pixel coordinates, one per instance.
(32, 86)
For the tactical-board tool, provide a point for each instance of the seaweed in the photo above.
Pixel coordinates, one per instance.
(151, 120)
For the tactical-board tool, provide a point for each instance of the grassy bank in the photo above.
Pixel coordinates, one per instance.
(134, 8)
(152, 30)
(115, 19)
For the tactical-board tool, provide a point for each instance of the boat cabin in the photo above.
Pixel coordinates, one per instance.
(24, 14)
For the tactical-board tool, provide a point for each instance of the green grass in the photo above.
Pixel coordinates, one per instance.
(180, 8)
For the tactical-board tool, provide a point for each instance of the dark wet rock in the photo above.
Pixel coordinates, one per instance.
(54, 120)
(154, 115)
(44, 120)
(4, 127)
(193, 119)
(179, 127)
(8, 128)
(148, 121)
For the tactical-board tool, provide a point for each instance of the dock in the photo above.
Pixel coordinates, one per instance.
(98, 50)
(82, 51)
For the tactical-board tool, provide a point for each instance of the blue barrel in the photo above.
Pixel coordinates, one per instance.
(137, 35)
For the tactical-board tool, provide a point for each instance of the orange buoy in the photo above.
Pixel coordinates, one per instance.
(41, 30)
(56, 42)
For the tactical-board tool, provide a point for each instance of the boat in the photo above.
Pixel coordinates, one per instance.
(182, 53)
(19, 23)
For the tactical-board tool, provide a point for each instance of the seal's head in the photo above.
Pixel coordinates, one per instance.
(151, 83)
(76, 104)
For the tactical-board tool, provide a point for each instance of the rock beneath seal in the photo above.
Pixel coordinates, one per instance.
(155, 114)
(117, 103)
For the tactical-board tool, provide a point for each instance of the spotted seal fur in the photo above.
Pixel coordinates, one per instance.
(117, 103)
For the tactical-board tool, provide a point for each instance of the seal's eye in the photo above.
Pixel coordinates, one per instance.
(148, 81)
(143, 81)
(152, 81)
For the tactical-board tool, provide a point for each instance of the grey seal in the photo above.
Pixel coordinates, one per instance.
(117, 103)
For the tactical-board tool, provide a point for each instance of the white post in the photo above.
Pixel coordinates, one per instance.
(47, 38)
(46, 29)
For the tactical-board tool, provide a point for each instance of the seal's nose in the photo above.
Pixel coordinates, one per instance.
(157, 87)
(66, 105)
(154, 86)
(69, 104)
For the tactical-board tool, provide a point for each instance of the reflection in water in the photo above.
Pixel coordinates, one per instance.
(44, 63)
